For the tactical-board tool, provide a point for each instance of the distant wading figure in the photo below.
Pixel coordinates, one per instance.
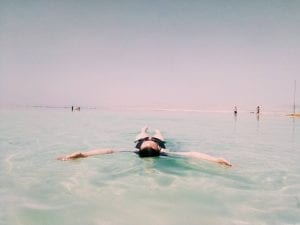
(75, 108)
(148, 147)
(257, 109)
(235, 110)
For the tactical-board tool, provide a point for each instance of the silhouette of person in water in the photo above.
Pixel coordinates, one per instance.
(257, 109)
(148, 146)
(235, 110)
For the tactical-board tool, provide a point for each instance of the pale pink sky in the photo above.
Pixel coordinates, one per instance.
(203, 54)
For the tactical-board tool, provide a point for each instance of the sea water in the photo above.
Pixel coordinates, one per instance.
(262, 187)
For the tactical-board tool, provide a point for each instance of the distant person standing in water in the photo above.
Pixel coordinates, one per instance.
(72, 108)
(257, 109)
(148, 146)
(235, 110)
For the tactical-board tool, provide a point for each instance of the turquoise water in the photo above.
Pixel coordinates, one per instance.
(263, 186)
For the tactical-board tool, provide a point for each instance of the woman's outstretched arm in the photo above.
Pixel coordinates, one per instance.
(203, 156)
(77, 155)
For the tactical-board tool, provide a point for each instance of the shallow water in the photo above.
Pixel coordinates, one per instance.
(263, 186)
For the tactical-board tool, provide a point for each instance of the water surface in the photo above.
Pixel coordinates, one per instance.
(263, 186)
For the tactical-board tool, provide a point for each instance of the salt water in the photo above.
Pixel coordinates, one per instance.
(262, 187)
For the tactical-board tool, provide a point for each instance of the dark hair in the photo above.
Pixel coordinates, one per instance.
(148, 152)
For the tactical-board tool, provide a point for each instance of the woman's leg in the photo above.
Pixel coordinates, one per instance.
(143, 134)
(158, 135)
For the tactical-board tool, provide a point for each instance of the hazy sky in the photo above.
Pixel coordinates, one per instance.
(169, 53)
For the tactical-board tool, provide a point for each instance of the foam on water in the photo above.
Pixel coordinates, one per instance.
(263, 186)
